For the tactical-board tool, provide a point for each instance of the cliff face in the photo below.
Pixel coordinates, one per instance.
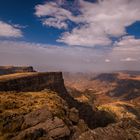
(32, 81)
(12, 69)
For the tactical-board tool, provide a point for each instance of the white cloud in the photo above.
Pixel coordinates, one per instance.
(8, 30)
(126, 53)
(100, 20)
(127, 42)
(129, 59)
(107, 60)
(127, 49)
(55, 23)
(56, 15)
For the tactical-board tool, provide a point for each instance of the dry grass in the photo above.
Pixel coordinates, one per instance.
(14, 105)
(121, 110)
(16, 75)
(82, 99)
(24, 74)
(22, 103)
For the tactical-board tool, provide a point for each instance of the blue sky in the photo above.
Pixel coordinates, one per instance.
(22, 13)
(96, 27)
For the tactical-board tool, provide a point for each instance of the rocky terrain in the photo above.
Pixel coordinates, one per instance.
(38, 106)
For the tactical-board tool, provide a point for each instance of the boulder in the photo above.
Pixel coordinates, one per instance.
(74, 115)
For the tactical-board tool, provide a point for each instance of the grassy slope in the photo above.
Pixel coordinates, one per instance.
(19, 104)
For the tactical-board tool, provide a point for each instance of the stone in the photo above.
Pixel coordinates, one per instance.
(74, 115)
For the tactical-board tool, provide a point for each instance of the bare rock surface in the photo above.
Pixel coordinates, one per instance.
(38, 124)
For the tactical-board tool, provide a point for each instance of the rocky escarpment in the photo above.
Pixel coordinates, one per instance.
(13, 69)
(53, 81)
(32, 82)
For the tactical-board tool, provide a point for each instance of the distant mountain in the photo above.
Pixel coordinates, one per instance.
(108, 77)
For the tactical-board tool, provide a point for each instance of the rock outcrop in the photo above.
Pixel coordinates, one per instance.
(13, 69)
(42, 124)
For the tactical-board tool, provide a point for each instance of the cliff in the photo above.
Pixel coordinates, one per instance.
(13, 69)
(32, 81)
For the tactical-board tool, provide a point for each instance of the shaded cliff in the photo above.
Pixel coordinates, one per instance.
(32, 81)
(13, 69)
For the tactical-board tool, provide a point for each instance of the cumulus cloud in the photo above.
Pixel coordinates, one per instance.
(127, 42)
(57, 16)
(9, 30)
(55, 23)
(73, 59)
(97, 22)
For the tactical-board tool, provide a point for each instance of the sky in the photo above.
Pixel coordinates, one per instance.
(71, 35)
